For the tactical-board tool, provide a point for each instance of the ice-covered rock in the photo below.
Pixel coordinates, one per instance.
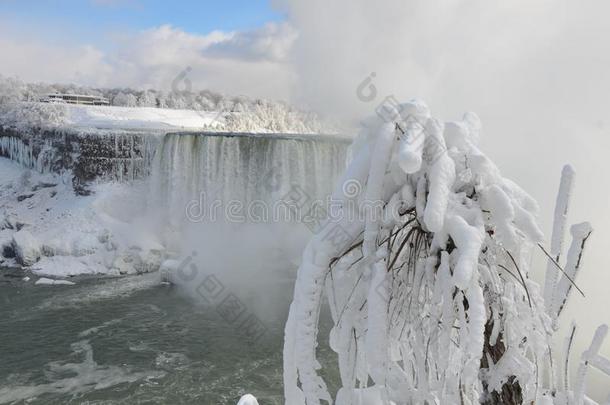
(127, 262)
(7, 221)
(10, 221)
(137, 260)
(56, 247)
(149, 260)
(74, 244)
(85, 244)
(168, 269)
(247, 399)
(27, 248)
(6, 243)
(49, 281)
(64, 266)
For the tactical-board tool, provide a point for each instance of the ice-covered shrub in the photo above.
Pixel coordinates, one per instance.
(25, 115)
(425, 261)
(272, 117)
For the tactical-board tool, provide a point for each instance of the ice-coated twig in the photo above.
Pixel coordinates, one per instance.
(580, 235)
(557, 237)
(560, 269)
(566, 358)
(587, 358)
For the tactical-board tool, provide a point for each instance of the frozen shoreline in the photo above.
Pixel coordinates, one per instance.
(46, 228)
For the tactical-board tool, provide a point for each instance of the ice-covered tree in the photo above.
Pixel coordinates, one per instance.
(424, 260)
(11, 90)
(125, 100)
(147, 99)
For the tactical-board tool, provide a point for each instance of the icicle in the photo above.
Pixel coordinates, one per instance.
(17, 150)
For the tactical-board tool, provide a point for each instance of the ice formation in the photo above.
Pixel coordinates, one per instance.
(430, 297)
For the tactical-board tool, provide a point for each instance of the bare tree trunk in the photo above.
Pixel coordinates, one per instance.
(511, 393)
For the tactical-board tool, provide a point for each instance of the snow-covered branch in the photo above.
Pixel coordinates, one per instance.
(431, 301)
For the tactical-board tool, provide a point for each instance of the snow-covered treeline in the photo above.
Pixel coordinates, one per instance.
(425, 264)
(19, 106)
(13, 89)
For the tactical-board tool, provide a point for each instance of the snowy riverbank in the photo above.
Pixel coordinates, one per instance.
(45, 227)
(259, 118)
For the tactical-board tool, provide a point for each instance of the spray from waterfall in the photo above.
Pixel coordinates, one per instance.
(219, 200)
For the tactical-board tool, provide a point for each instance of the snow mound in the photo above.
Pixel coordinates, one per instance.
(48, 281)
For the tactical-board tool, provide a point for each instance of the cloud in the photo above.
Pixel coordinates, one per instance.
(252, 62)
(272, 43)
(38, 61)
(415, 48)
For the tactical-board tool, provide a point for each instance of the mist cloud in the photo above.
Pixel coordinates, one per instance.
(536, 72)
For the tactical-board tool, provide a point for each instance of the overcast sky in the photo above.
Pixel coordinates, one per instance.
(536, 71)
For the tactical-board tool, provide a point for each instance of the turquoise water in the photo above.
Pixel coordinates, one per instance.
(129, 341)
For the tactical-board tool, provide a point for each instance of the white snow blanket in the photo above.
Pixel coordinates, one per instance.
(109, 117)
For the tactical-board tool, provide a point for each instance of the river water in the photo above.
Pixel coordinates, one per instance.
(130, 341)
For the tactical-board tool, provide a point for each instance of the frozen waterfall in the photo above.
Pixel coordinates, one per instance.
(201, 171)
